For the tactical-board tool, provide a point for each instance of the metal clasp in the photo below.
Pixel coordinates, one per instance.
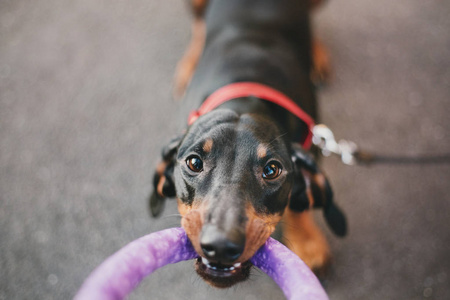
(324, 139)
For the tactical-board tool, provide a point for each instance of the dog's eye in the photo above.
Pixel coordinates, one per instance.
(272, 170)
(194, 163)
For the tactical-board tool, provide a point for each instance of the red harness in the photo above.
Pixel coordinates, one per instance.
(261, 91)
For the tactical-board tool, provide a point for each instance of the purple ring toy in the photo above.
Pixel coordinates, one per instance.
(120, 274)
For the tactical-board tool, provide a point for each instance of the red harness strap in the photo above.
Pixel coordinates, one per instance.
(261, 91)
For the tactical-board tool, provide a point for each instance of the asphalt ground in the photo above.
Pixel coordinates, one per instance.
(85, 107)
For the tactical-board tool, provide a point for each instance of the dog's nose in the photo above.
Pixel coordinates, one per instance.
(220, 246)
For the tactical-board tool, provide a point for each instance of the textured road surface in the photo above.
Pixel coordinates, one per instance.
(85, 106)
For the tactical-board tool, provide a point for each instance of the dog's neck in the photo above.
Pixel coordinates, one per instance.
(274, 53)
(251, 94)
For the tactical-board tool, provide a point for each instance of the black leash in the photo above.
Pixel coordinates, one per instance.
(323, 138)
(367, 158)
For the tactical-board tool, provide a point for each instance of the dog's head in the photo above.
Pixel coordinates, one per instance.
(233, 176)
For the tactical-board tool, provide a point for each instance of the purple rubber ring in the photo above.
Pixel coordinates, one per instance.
(292, 275)
(122, 272)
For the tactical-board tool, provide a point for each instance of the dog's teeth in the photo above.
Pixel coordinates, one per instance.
(222, 268)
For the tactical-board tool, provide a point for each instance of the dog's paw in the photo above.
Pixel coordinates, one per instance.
(304, 238)
(316, 254)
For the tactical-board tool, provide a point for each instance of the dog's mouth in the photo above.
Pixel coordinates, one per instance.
(221, 275)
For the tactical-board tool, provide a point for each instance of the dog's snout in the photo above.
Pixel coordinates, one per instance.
(220, 246)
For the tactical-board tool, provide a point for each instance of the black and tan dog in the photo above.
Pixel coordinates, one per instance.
(241, 166)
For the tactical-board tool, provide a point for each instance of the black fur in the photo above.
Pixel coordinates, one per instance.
(263, 41)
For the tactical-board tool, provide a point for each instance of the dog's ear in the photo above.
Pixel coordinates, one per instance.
(163, 182)
(311, 189)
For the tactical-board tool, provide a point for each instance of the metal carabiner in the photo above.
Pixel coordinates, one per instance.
(324, 139)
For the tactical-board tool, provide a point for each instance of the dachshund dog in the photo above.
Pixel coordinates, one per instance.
(242, 165)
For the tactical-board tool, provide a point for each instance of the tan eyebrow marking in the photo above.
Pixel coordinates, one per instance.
(207, 146)
(261, 151)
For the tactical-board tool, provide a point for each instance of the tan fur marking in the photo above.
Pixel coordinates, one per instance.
(207, 146)
(199, 7)
(184, 209)
(321, 69)
(310, 196)
(307, 175)
(320, 180)
(305, 239)
(192, 222)
(261, 151)
(186, 66)
(161, 167)
(159, 188)
(258, 230)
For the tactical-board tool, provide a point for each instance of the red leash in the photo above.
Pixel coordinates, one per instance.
(261, 91)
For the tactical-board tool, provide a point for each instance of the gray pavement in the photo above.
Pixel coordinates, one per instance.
(85, 106)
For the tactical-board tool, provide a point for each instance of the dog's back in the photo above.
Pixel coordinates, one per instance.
(265, 41)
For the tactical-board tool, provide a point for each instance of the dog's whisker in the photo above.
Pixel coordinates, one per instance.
(172, 216)
(276, 138)
(286, 242)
